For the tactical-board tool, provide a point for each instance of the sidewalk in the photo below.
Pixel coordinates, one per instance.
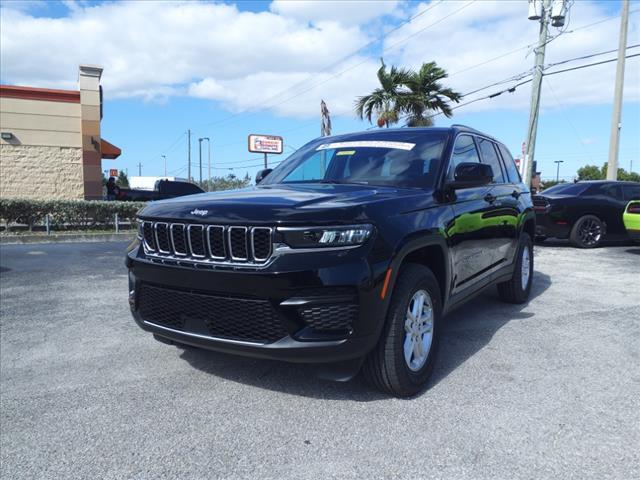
(67, 237)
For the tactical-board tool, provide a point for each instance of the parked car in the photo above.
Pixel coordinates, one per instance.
(631, 220)
(584, 212)
(347, 255)
(163, 189)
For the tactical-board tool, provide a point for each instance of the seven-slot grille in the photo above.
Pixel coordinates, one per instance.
(210, 243)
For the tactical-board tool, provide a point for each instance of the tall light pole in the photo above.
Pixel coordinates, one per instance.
(165, 164)
(189, 155)
(546, 11)
(200, 154)
(209, 159)
(558, 162)
(614, 141)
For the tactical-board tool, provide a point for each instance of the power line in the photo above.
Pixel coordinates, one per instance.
(523, 47)
(338, 62)
(342, 72)
(512, 88)
(566, 117)
(584, 57)
(591, 64)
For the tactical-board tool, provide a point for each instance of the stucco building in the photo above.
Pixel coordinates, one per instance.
(50, 146)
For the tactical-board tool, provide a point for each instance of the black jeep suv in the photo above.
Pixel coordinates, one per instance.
(348, 254)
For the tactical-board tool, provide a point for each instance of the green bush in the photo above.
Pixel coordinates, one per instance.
(82, 214)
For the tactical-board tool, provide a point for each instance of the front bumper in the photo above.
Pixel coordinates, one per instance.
(329, 312)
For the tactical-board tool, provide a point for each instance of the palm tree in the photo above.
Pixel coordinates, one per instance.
(385, 101)
(428, 95)
(404, 91)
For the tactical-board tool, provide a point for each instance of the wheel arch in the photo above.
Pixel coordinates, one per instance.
(431, 251)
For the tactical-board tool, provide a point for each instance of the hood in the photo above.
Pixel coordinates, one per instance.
(299, 203)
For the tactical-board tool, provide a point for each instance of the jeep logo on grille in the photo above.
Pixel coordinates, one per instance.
(196, 211)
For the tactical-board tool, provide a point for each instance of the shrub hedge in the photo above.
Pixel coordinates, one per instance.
(66, 213)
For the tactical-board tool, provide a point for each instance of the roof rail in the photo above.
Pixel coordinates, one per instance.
(466, 127)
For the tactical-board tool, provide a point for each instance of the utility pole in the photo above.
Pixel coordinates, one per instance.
(200, 157)
(558, 162)
(614, 141)
(536, 85)
(189, 155)
(139, 169)
(165, 164)
(209, 164)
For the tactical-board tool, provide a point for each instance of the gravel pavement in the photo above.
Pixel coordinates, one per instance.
(546, 390)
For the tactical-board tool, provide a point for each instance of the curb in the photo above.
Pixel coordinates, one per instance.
(66, 237)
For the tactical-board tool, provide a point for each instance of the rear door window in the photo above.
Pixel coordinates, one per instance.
(512, 170)
(490, 157)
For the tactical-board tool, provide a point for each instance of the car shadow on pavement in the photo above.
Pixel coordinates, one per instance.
(465, 331)
(471, 327)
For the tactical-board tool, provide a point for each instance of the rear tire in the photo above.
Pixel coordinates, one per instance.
(587, 232)
(405, 355)
(517, 289)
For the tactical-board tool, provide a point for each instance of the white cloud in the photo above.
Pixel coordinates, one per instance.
(349, 12)
(244, 59)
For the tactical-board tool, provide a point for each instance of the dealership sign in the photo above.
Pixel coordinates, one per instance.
(265, 144)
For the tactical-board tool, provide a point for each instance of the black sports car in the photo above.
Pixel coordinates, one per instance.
(584, 212)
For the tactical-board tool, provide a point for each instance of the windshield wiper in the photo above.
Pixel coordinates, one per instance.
(343, 182)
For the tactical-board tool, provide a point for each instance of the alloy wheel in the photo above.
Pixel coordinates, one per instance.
(525, 269)
(418, 328)
(590, 232)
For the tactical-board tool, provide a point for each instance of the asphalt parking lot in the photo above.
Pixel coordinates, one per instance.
(548, 390)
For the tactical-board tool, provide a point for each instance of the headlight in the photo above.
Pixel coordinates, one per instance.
(140, 233)
(325, 237)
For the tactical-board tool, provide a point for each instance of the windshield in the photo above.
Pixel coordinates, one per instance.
(405, 159)
(566, 189)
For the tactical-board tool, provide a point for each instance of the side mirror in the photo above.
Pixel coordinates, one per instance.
(471, 174)
(262, 174)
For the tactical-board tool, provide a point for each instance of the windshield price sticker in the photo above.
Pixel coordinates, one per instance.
(368, 144)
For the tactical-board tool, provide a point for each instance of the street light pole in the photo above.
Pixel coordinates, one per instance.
(165, 164)
(189, 155)
(209, 151)
(558, 162)
(200, 156)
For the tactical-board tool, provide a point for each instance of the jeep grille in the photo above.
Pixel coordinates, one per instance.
(208, 243)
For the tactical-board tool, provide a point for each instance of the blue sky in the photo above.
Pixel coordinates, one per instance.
(227, 70)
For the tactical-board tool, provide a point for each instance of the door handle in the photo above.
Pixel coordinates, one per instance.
(490, 198)
(515, 194)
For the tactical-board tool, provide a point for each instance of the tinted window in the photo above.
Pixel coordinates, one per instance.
(567, 189)
(512, 170)
(610, 190)
(464, 151)
(404, 158)
(178, 188)
(631, 192)
(490, 157)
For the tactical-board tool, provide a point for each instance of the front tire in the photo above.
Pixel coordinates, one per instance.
(587, 232)
(405, 355)
(517, 289)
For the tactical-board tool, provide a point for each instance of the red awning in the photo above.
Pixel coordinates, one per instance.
(109, 150)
